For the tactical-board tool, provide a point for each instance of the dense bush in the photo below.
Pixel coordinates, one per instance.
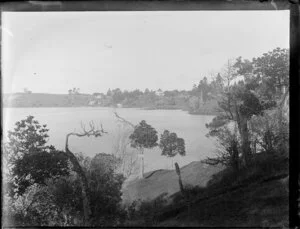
(42, 190)
(29, 160)
(146, 213)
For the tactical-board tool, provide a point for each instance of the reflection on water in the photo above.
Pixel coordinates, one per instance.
(61, 121)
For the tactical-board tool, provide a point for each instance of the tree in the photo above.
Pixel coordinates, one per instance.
(270, 72)
(26, 91)
(109, 93)
(123, 151)
(96, 132)
(36, 207)
(143, 136)
(147, 91)
(252, 95)
(74, 91)
(117, 96)
(238, 104)
(227, 148)
(203, 88)
(105, 190)
(219, 82)
(30, 160)
(171, 145)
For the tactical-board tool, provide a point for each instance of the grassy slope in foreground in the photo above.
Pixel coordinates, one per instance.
(251, 197)
(257, 196)
(166, 181)
(257, 205)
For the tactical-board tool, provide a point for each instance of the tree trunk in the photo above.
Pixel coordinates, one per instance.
(142, 163)
(242, 123)
(244, 132)
(143, 166)
(235, 157)
(84, 184)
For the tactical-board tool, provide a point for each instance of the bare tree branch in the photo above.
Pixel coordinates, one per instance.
(124, 120)
(96, 132)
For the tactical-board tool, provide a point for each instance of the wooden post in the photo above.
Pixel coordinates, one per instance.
(179, 176)
(184, 194)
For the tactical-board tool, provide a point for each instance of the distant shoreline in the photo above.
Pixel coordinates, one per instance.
(45, 100)
(139, 108)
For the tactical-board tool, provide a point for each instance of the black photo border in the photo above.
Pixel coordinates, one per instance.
(192, 5)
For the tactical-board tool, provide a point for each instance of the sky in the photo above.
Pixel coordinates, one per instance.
(51, 52)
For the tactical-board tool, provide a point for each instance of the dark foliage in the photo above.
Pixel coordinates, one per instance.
(105, 190)
(37, 167)
(171, 145)
(30, 160)
(144, 136)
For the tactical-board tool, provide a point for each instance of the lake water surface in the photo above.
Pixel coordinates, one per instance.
(61, 121)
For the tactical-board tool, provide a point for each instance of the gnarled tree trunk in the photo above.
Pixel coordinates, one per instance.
(244, 133)
(84, 183)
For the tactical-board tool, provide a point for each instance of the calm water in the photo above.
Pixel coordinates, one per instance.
(61, 121)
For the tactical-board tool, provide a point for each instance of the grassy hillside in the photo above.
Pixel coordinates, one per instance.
(255, 197)
(44, 100)
(259, 204)
(166, 181)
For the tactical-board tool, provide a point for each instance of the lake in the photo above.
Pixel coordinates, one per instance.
(61, 121)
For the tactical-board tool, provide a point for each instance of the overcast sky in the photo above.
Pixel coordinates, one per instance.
(51, 52)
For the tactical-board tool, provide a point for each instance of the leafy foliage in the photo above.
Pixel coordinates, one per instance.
(264, 79)
(30, 160)
(28, 135)
(270, 72)
(147, 212)
(144, 136)
(37, 167)
(227, 150)
(105, 190)
(270, 135)
(171, 145)
(248, 103)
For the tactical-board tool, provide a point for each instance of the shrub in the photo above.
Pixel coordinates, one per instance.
(148, 211)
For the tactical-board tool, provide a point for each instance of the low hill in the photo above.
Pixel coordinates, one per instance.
(44, 100)
(255, 196)
(259, 204)
(166, 181)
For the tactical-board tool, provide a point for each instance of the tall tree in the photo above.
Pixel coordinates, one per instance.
(96, 132)
(227, 148)
(238, 104)
(30, 159)
(203, 88)
(171, 145)
(270, 72)
(105, 187)
(143, 136)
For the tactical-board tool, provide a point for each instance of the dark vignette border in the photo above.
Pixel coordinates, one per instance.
(294, 115)
(194, 5)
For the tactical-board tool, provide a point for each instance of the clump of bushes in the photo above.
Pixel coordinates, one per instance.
(146, 212)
